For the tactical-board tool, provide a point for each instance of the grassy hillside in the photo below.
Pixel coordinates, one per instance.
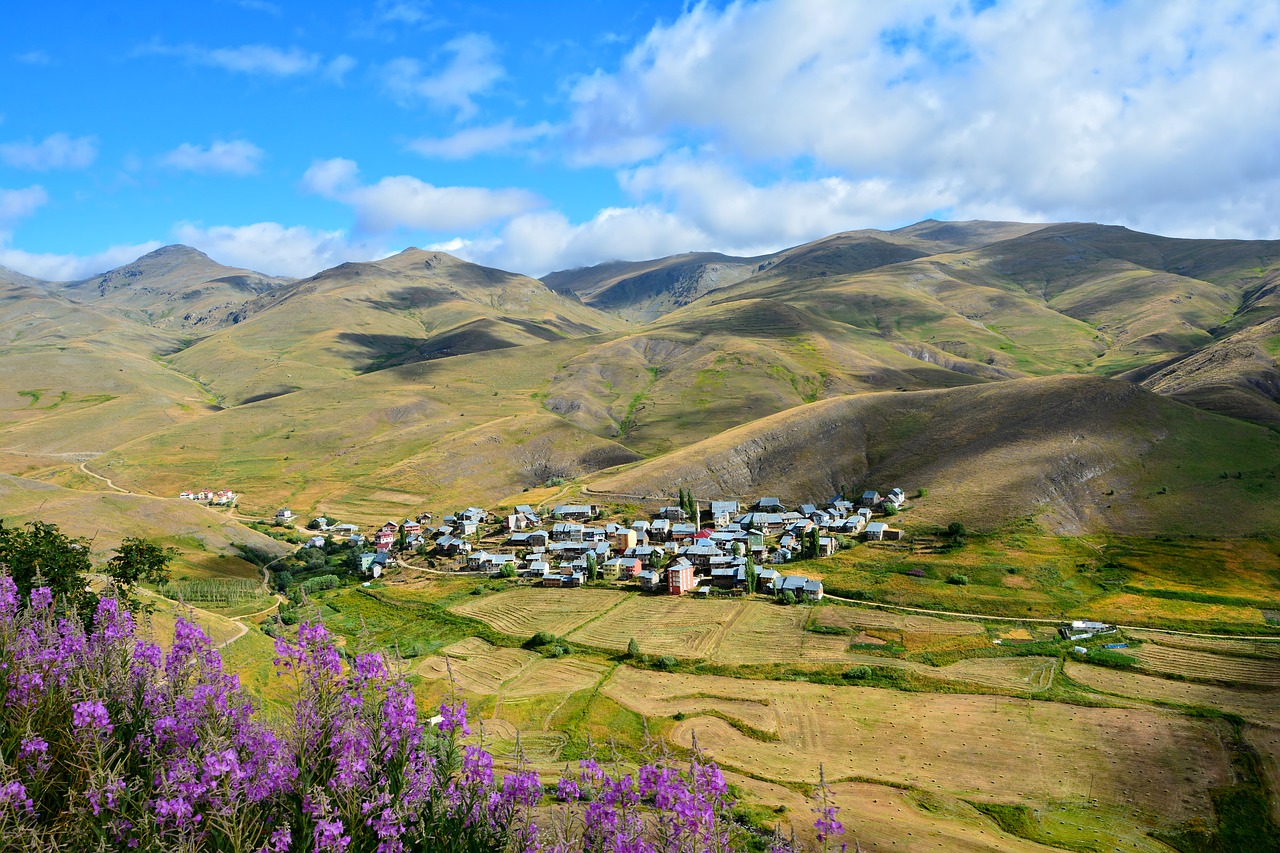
(355, 318)
(76, 380)
(206, 540)
(1083, 454)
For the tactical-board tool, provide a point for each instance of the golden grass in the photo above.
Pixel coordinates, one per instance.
(664, 625)
(1162, 659)
(1256, 705)
(525, 611)
(1160, 765)
(476, 666)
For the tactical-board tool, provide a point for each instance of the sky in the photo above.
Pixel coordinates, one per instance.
(548, 134)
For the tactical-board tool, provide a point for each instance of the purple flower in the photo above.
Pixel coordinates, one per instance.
(454, 719)
(328, 836)
(91, 713)
(15, 794)
(41, 598)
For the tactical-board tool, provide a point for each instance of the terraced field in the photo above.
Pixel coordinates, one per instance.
(1212, 666)
(1245, 648)
(1157, 767)
(477, 667)
(525, 611)
(1258, 705)
(677, 626)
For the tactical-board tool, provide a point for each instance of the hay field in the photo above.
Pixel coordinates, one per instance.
(1256, 705)
(554, 675)
(1247, 648)
(889, 820)
(910, 623)
(525, 611)
(477, 666)
(1159, 766)
(1161, 659)
(663, 625)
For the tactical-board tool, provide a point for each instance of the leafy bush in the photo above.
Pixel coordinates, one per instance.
(320, 582)
(112, 743)
(858, 673)
(955, 529)
(666, 663)
(958, 580)
(540, 639)
(916, 572)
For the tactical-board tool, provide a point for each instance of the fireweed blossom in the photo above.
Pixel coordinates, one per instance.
(108, 742)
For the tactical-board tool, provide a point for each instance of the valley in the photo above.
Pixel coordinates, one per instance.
(1096, 411)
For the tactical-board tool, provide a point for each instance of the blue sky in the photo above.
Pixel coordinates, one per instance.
(289, 137)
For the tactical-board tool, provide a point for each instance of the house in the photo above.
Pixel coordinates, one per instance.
(224, 497)
(660, 530)
(539, 538)
(896, 498)
(452, 545)
(725, 578)
(682, 530)
(384, 539)
(282, 514)
(680, 578)
(722, 512)
(875, 531)
(624, 538)
(411, 527)
(827, 546)
(315, 542)
(673, 513)
(782, 555)
(701, 554)
(765, 578)
(319, 523)
(474, 513)
(870, 498)
(1082, 629)
(563, 579)
(582, 512)
(769, 505)
(370, 564)
(799, 586)
(566, 531)
(346, 529)
(621, 568)
(652, 580)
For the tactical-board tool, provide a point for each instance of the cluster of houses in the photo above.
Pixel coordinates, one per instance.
(671, 552)
(222, 497)
(724, 546)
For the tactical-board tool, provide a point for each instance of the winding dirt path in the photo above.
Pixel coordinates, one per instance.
(106, 480)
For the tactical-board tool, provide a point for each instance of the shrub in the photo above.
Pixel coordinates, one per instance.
(955, 530)
(916, 572)
(788, 597)
(633, 649)
(958, 580)
(319, 583)
(858, 673)
(540, 639)
(666, 663)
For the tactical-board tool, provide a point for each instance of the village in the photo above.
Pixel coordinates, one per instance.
(719, 547)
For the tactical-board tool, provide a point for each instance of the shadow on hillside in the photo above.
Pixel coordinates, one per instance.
(383, 351)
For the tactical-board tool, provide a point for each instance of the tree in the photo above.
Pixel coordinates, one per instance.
(633, 649)
(38, 554)
(955, 530)
(508, 570)
(138, 560)
(591, 566)
(402, 538)
(788, 597)
(751, 575)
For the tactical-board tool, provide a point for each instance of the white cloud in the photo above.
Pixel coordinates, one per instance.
(407, 202)
(1075, 109)
(480, 140)
(58, 151)
(472, 69)
(276, 249)
(19, 204)
(233, 158)
(255, 59)
(71, 267)
(34, 57)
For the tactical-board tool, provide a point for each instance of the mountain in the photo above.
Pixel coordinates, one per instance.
(1083, 454)
(176, 287)
(372, 387)
(358, 317)
(8, 276)
(645, 290)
